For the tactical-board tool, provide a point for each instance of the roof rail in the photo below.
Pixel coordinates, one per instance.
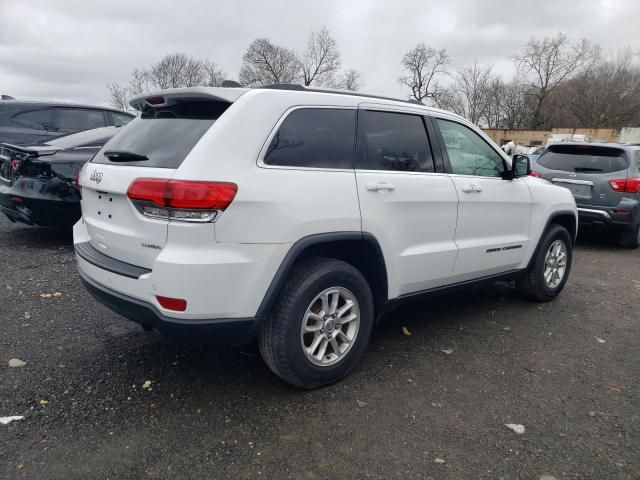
(298, 87)
(230, 84)
(283, 86)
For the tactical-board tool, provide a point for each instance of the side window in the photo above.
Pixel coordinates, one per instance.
(75, 120)
(36, 119)
(314, 137)
(393, 141)
(120, 120)
(468, 153)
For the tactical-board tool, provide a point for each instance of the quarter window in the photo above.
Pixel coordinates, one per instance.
(36, 119)
(468, 153)
(72, 120)
(120, 120)
(314, 137)
(393, 141)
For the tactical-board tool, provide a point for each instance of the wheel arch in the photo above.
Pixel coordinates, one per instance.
(359, 249)
(564, 218)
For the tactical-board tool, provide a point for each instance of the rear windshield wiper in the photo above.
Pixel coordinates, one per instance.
(124, 156)
(586, 169)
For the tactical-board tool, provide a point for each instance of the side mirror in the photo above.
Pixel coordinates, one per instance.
(520, 166)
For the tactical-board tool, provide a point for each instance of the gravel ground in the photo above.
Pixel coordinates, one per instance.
(567, 371)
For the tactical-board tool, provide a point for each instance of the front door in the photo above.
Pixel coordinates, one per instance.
(494, 214)
(409, 208)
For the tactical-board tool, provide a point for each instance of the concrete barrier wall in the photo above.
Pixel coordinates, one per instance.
(540, 137)
(630, 134)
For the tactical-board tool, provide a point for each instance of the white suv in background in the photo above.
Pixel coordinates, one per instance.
(299, 217)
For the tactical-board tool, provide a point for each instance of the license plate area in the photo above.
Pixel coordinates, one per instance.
(104, 206)
(578, 189)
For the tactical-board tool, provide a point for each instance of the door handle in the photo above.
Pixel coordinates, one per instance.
(376, 187)
(471, 189)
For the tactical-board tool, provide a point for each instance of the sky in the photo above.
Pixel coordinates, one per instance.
(71, 49)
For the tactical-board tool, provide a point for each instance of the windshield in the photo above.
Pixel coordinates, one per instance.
(584, 159)
(163, 135)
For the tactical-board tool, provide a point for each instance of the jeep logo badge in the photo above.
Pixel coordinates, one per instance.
(96, 176)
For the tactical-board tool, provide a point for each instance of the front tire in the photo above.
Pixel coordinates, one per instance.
(550, 267)
(320, 326)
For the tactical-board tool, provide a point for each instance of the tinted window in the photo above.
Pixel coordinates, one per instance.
(584, 159)
(88, 138)
(468, 153)
(75, 120)
(120, 119)
(164, 135)
(36, 119)
(314, 137)
(393, 141)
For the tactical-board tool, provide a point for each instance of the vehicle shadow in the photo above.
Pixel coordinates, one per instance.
(36, 237)
(203, 372)
(599, 239)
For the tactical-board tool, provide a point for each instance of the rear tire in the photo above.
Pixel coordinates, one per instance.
(550, 267)
(631, 238)
(305, 308)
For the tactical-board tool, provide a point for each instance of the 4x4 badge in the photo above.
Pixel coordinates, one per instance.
(572, 174)
(96, 176)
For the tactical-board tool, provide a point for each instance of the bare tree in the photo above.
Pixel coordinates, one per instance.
(118, 96)
(549, 62)
(139, 82)
(469, 95)
(422, 66)
(321, 61)
(348, 80)
(515, 104)
(212, 73)
(176, 70)
(172, 71)
(606, 95)
(508, 105)
(265, 63)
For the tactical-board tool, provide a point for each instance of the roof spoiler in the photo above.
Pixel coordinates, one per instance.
(165, 98)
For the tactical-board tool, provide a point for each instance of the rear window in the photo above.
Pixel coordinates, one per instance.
(584, 159)
(164, 135)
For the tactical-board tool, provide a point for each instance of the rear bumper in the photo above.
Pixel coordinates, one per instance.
(236, 331)
(35, 208)
(621, 217)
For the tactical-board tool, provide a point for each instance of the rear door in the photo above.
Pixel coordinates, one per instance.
(586, 171)
(494, 214)
(404, 203)
(153, 145)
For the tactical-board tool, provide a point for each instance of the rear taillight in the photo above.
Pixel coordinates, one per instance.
(535, 174)
(183, 200)
(626, 185)
(79, 174)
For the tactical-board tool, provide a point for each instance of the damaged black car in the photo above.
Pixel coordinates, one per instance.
(38, 183)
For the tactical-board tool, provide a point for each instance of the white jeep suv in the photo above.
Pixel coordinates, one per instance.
(298, 217)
